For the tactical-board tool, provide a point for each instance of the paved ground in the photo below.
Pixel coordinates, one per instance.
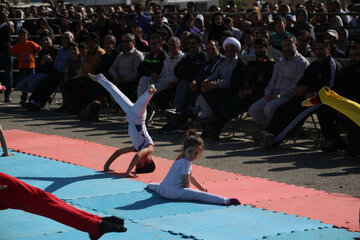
(302, 164)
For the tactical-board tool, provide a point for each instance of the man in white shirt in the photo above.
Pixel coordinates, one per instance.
(166, 78)
(124, 68)
(282, 86)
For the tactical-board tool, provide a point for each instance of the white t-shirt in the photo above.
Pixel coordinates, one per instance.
(171, 187)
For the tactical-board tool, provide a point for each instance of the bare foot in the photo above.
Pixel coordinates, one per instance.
(6, 155)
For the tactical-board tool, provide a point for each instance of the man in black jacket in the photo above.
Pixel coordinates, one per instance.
(247, 86)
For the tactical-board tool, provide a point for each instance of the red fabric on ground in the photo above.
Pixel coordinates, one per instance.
(20, 195)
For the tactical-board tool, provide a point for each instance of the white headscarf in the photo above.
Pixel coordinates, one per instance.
(233, 41)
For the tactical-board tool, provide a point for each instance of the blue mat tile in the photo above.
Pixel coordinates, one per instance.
(15, 224)
(66, 181)
(325, 233)
(141, 205)
(233, 223)
(135, 231)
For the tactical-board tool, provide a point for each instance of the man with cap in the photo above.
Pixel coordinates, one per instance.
(332, 36)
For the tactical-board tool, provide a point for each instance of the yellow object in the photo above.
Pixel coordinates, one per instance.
(343, 105)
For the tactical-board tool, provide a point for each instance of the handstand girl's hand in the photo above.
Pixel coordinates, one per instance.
(132, 175)
(2, 187)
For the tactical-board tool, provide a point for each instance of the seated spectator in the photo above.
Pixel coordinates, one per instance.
(290, 23)
(272, 52)
(229, 23)
(216, 28)
(303, 44)
(321, 24)
(141, 19)
(153, 61)
(83, 90)
(183, 41)
(140, 43)
(282, 86)
(247, 48)
(216, 87)
(187, 24)
(72, 68)
(166, 78)
(159, 27)
(332, 36)
(280, 32)
(349, 87)
(343, 42)
(44, 66)
(199, 24)
(124, 68)
(324, 71)
(302, 24)
(247, 86)
(186, 71)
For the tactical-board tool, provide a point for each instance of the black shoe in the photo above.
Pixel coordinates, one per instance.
(114, 219)
(333, 146)
(23, 103)
(7, 99)
(62, 109)
(351, 154)
(32, 107)
(168, 128)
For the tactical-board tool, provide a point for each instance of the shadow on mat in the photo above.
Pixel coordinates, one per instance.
(155, 199)
(60, 182)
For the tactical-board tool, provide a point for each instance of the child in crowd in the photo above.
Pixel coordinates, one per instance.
(136, 115)
(25, 50)
(16, 194)
(176, 184)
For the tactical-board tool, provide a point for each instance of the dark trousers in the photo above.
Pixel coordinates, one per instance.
(23, 74)
(230, 108)
(20, 195)
(353, 136)
(289, 111)
(6, 64)
(46, 87)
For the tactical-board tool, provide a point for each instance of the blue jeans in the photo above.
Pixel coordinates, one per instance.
(25, 72)
(6, 64)
(29, 83)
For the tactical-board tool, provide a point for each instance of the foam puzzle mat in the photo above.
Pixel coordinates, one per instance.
(149, 216)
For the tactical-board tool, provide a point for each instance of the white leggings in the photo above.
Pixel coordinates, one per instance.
(135, 113)
(193, 194)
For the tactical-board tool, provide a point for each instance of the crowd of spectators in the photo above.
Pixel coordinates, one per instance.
(217, 64)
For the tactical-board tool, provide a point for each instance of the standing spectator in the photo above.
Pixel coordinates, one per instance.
(44, 66)
(124, 68)
(24, 50)
(6, 60)
(282, 86)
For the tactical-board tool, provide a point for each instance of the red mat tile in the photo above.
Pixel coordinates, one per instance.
(340, 210)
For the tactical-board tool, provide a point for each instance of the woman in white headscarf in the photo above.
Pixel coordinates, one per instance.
(19, 23)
